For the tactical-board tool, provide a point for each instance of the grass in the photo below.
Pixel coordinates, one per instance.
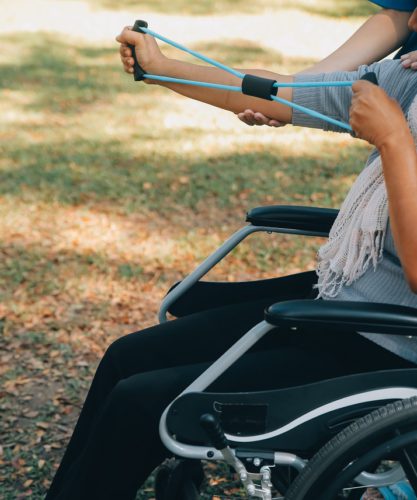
(331, 8)
(109, 192)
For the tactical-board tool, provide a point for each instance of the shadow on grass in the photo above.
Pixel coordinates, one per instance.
(331, 8)
(63, 78)
(79, 171)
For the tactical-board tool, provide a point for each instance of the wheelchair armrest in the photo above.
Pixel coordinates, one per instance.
(293, 217)
(358, 316)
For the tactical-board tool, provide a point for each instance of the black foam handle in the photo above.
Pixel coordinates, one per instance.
(257, 86)
(138, 72)
(370, 77)
(214, 431)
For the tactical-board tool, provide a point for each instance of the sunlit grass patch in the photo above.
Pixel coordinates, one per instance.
(335, 8)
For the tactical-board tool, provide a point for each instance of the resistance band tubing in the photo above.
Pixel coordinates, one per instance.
(238, 74)
(193, 82)
(208, 60)
(233, 88)
(311, 112)
(312, 84)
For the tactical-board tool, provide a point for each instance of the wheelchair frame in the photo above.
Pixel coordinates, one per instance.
(307, 221)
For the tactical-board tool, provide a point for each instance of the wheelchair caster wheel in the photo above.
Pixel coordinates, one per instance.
(178, 479)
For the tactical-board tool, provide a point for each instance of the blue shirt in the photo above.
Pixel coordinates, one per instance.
(397, 4)
(405, 5)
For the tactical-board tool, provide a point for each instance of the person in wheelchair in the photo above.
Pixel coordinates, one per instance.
(370, 256)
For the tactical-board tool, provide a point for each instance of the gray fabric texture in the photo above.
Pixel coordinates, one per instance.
(387, 283)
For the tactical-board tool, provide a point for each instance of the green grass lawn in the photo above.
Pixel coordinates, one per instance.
(109, 192)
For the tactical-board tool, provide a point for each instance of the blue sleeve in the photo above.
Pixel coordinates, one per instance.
(407, 5)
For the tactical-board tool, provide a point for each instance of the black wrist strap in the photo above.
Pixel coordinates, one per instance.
(257, 86)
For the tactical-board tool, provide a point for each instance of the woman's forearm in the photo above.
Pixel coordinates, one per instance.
(399, 160)
(380, 35)
(228, 100)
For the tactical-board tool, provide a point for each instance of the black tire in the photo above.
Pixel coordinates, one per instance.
(178, 479)
(358, 444)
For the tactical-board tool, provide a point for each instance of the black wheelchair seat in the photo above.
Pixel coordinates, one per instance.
(296, 419)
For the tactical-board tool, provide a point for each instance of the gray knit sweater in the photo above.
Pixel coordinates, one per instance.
(385, 284)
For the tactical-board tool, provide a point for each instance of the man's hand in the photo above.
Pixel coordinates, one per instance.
(376, 117)
(148, 54)
(252, 118)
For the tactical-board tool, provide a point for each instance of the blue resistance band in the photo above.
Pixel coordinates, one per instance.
(251, 85)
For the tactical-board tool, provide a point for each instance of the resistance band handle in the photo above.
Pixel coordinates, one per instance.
(138, 72)
(370, 77)
(257, 86)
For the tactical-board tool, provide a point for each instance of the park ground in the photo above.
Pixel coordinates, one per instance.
(110, 191)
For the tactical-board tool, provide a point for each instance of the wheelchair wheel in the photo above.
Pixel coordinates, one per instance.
(380, 448)
(178, 479)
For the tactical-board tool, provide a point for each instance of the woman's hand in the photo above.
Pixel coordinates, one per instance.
(376, 117)
(252, 118)
(409, 60)
(148, 54)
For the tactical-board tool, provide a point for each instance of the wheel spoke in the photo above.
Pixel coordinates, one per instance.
(408, 460)
(407, 456)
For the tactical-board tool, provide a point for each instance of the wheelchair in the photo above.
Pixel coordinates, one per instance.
(321, 441)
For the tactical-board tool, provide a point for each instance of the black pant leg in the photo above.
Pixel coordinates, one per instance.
(200, 337)
(124, 445)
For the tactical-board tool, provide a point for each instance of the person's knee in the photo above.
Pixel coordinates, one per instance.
(115, 349)
(126, 395)
(135, 353)
(118, 355)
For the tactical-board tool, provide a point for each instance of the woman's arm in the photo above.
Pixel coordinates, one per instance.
(379, 119)
(153, 61)
(228, 100)
(380, 35)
